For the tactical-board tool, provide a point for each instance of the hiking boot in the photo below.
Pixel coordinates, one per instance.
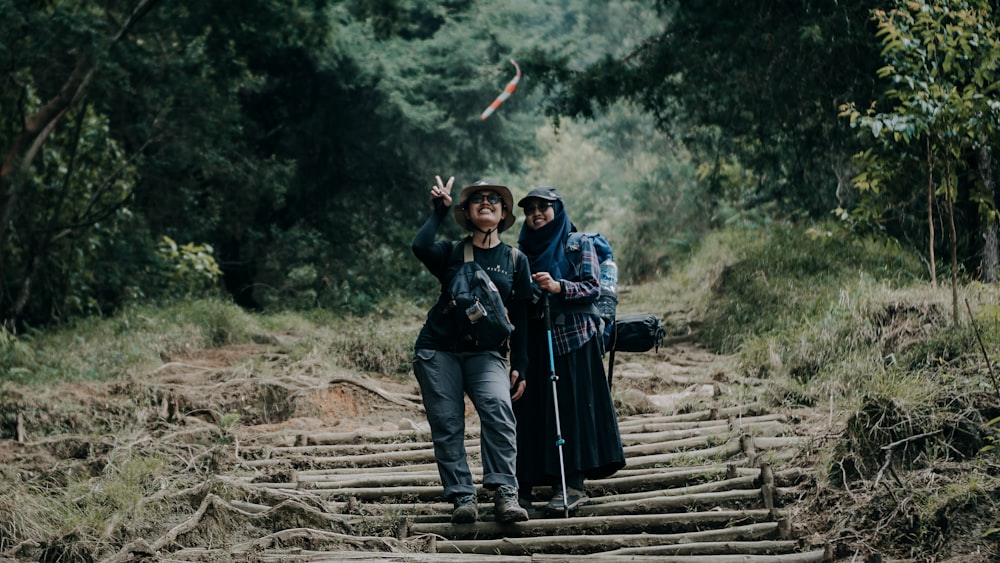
(466, 511)
(505, 506)
(574, 500)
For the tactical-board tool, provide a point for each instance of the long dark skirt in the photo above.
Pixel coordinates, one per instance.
(589, 425)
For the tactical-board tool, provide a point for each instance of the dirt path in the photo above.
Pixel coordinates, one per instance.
(345, 472)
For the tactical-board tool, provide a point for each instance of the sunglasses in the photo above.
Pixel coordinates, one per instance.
(491, 197)
(533, 207)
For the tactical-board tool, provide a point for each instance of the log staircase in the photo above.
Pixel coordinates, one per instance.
(706, 486)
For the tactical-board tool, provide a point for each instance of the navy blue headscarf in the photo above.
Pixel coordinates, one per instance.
(546, 247)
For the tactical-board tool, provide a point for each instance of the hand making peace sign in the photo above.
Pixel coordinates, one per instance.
(443, 190)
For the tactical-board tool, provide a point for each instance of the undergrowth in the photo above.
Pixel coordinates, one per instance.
(852, 328)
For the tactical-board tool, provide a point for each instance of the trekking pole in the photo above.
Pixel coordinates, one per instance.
(555, 402)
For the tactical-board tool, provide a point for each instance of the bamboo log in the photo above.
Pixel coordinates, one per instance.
(808, 557)
(361, 436)
(710, 487)
(659, 481)
(594, 525)
(724, 451)
(776, 442)
(312, 556)
(744, 411)
(764, 428)
(674, 502)
(336, 471)
(375, 481)
(362, 448)
(597, 543)
(650, 427)
(762, 547)
(672, 445)
(387, 458)
(379, 493)
(646, 437)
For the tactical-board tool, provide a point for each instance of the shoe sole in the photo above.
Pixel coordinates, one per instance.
(511, 517)
(465, 517)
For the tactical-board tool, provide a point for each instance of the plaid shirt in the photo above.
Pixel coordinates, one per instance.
(570, 331)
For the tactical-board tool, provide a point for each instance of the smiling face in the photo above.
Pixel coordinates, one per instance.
(485, 209)
(538, 212)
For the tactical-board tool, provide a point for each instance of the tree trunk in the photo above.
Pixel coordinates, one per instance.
(991, 249)
(930, 212)
(949, 197)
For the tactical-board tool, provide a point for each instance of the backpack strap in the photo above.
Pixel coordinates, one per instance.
(469, 257)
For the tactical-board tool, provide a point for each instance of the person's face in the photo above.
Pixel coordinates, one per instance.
(485, 209)
(538, 212)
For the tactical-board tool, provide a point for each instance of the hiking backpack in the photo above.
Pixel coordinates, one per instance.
(476, 306)
(631, 333)
(607, 302)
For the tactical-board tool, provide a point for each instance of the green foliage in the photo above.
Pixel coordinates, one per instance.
(940, 63)
(194, 270)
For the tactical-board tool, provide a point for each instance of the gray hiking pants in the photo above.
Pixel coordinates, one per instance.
(445, 378)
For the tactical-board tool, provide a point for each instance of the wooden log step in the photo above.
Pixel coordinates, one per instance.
(747, 410)
(721, 428)
(678, 477)
(806, 557)
(372, 481)
(666, 425)
(566, 544)
(649, 448)
(312, 556)
(361, 448)
(725, 451)
(762, 547)
(385, 494)
(654, 423)
(366, 437)
(778, 442)
(592, 525)
(370, 470)
(369, 460)
(616, 494)
(742, 497)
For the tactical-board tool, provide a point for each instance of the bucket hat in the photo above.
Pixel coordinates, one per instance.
(484, 185)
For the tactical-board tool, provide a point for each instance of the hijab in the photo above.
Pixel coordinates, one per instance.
(546, 247)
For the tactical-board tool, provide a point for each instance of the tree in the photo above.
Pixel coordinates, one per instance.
(942, 59)
(158, 88)
(750, 85)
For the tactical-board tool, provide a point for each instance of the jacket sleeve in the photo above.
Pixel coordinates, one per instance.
(425, 245)
(587, 288)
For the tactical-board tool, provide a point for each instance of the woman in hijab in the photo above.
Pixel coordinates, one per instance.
(566, 275)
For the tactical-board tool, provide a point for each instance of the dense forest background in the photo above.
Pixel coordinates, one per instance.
(281, 151)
